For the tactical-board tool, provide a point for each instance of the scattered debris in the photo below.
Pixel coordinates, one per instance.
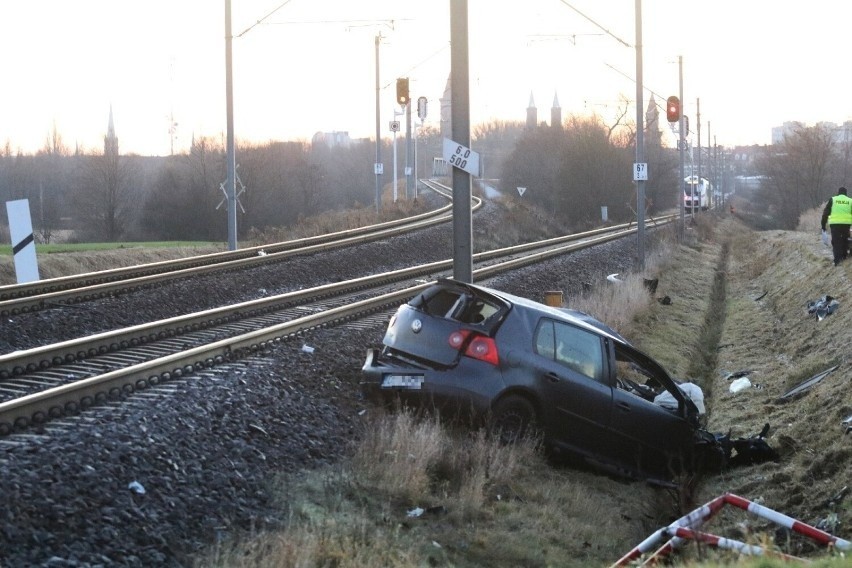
(761, 297)
(720, 347)
(687, 528)
(665, 300)
(614, 278)
(651, 284)
(307, 348)
(136, 487)
(261, 252)
(258, 429)
(736, 374)
(806, 384)
(416, 512)
(748, 451)
(847, 424)
(739, 385)
(823, 307)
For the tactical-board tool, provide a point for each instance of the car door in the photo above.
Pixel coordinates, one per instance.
(577, 404)
(646, 433)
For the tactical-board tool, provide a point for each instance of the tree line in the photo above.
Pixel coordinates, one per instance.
(571, 169)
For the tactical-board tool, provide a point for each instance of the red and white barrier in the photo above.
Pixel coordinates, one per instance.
(685, 529)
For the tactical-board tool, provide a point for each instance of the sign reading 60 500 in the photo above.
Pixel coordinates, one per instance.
(461, 157)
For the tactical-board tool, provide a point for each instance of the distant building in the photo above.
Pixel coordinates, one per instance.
(653, 133)
(556, 113)
(532, 113)
(332, 139)
(110, 140)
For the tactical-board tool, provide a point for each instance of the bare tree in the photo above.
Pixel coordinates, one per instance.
(798, 171)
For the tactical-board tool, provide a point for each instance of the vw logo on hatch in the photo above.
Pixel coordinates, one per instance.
(416, 326)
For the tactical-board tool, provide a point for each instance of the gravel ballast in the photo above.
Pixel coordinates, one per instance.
(164, 475)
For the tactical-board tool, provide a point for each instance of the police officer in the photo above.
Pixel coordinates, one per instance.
(838, 215)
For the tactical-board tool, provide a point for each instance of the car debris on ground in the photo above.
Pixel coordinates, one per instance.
(823, 307)
(806, 384)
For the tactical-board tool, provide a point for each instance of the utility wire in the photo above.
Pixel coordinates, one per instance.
(609, 33)
(260, 21)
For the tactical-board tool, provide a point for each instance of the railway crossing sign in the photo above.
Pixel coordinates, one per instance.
(461, 157)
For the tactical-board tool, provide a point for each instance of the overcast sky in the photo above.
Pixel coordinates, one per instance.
(302, 66)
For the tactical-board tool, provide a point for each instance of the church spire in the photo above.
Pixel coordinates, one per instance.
(532, 114)
(110, 140)
(555, 113)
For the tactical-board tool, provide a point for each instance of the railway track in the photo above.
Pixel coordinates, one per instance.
(33, 296)
(52, 381)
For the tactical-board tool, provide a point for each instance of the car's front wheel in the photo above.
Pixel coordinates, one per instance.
(514, 418)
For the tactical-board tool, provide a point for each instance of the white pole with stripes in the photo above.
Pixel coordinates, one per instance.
(23, 242)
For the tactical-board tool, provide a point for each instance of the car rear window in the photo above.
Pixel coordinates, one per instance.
(455, 305)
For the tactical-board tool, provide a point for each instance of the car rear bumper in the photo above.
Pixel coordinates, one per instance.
(389, 381)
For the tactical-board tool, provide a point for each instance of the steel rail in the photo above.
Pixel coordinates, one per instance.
(37, 302)
(90, 279)
(55, 402)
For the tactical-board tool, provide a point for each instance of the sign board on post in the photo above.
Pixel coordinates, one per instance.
(23, 241)
(640, 171)
(461, 157)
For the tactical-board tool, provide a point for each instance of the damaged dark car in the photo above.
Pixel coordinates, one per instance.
(518, 366)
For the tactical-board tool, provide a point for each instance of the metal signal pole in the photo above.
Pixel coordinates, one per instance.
(230, 183)
(640, 141)
(460, 119)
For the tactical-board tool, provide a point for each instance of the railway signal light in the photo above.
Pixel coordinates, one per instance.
(402, 96)
(673, 109)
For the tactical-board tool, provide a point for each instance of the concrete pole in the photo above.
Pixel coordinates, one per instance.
(460, 118)
(230, 182)
(682, 143)
(640, 142)
(378, 163)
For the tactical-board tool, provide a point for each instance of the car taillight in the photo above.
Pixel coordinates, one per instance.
(479, 347)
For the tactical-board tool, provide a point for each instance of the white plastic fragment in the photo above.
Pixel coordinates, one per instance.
(740, 384)
(614, 278)
(307, 348)
(136, 487)
(416, 512)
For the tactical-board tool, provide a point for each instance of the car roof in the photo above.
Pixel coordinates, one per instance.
(576, 317)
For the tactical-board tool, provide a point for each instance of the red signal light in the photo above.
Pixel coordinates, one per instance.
(673, 109)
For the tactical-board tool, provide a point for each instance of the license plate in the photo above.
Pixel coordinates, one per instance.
(402, 381)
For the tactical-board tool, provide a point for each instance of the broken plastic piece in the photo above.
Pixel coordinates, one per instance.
(307, 348)
(136, 487)
(614, 278)
(804, 385)
(823, 307)
(740, 384)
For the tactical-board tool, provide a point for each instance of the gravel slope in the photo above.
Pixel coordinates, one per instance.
(204, 449)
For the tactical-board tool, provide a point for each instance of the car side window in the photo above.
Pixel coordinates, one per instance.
(545, 343)
(579, 349)
(571, 346)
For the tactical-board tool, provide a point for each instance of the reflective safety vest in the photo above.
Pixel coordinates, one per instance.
(841, 210)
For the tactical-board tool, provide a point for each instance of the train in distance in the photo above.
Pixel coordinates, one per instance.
(696, 193)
